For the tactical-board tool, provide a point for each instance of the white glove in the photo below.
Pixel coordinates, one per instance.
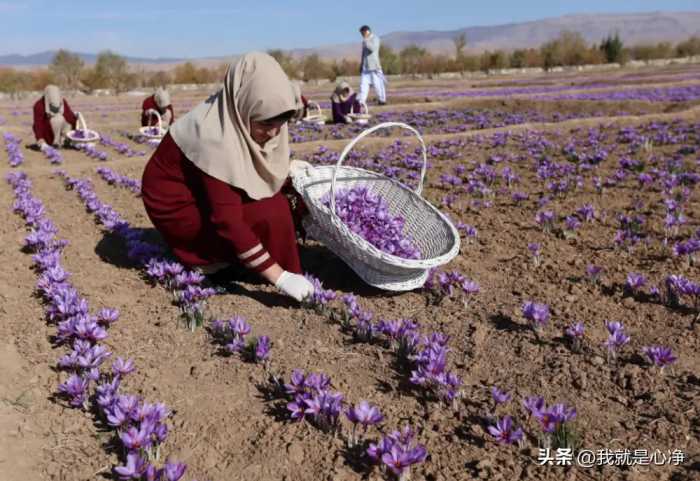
(294, 285)
(348, 119)
(299, 166)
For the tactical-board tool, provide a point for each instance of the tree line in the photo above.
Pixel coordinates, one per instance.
(112, 71)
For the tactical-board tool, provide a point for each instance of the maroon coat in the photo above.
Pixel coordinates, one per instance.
(305, 102)
(150, 120)
(341, 109)
(42, 124)
(205, 220)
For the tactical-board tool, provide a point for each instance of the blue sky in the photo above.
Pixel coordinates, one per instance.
(187, 28)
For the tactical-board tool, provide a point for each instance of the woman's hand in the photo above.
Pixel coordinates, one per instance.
(294, 285)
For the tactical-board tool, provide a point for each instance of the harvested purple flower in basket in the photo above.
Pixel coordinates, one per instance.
(367, 215)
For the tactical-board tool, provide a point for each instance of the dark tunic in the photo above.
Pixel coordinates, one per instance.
(341, 109)
(205, 220)
(148, 120)
(42, 124)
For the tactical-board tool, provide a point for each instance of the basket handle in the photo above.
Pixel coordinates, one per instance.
(157, 114)
(315, 105)
(364, 134)
(81, 122)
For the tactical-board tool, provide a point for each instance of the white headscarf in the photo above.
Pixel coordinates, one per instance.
(215, 135)
(339, 93)
(53, 98)
(162, 98)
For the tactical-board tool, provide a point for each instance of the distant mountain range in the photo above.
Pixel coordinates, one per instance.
(634, 28)
(45, 58)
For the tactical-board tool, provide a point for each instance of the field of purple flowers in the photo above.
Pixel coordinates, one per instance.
(568, 323)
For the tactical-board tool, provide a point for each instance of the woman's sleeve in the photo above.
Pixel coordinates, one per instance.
(69, 115)
(39, 125)
(226, 216)
(338, 116)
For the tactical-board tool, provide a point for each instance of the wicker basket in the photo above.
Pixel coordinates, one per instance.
(430, 231)
(147, 132)
(316, 118)
(86, 136)
(362, 117)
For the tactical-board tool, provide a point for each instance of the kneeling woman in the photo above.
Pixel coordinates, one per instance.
(343, 102)
(160, 102)
(53, 118)
(212, 187)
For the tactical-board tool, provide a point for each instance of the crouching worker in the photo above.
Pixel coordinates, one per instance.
(53, 118)
(160, 102)
(213, 186)
(343, 102)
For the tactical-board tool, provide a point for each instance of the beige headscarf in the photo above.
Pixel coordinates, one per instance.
(53, 98)
(339, 93)
(215, 135)
(162, 98)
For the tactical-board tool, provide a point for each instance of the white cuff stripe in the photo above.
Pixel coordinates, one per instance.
(258, 261)
(250, 252)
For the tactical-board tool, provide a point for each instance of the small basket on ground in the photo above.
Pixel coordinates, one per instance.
(317, 117)
(426, 227)
(82, 135)
(156, 132)
(362, 117)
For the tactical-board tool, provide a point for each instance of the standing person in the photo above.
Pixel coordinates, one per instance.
(53, 118)
(343, 101)
(213, 186)
(371, 69)
(159, 101)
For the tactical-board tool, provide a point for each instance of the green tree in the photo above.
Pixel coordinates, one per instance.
(66, 68)
(612, 48)
(460, 42)
(111, 71)
(391, 64)
(493, 60)
(569, 48)
(12, 81)
(286, 61)
(411, 57)
(314, 68)
(689, 47)
(518, 58)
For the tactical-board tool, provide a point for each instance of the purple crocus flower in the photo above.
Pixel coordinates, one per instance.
(262, 348)
(364, 414)
(593, 272)
(534, 405)
(174, 471)
(504, 431)
(121, 368)
(617, 338)
(134, 468)
(536, 313)
(239, 326)
(399, 460)
(545, 219)
(107, 316)
(136, 439)
(551, 418)
(660, 356)
(635, 281)
(75, 388)
(575, 333)
(535, 251)
(500, 397)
